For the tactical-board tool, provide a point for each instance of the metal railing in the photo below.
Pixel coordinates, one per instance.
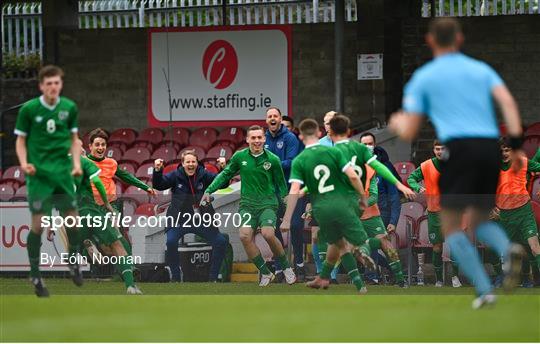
(468, 8)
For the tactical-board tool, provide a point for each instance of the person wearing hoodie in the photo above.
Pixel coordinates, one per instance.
(285, 144)
(188, 183)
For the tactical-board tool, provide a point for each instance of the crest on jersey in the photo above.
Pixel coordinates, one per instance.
(62, 115)
(39, 119)
(267, 165)
(36, 205)
(244, 163)
(280, 144)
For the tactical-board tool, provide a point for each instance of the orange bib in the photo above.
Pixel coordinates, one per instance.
(512, 188)
(431, 182)
(373, 210)
(108, 168)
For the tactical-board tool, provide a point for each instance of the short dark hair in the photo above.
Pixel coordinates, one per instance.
(275, 108)
(287, 118)
(254, 127)
(445, 30)
(504, 142)
(50, 71)
(340, 124)
(308, 127)
(368, 133)
(437, 143)
(98, 133)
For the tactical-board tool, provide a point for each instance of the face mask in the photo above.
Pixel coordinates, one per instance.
(371, 148)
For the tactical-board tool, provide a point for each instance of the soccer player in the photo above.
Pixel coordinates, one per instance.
(262, 183)
(328, 176)
(457, 93)
(46, 130)
(430, 171)
(513, 203)
(366, 165)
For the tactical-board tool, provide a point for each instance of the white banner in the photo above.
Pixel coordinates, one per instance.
(218, 75)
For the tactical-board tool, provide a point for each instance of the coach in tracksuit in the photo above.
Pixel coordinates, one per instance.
(284, 144)
(188, 183)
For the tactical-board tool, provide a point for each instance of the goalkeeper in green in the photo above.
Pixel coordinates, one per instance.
(263, 187)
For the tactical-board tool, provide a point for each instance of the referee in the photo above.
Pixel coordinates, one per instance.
(456, 92)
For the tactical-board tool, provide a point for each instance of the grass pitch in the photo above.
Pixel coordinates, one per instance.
(197, 312)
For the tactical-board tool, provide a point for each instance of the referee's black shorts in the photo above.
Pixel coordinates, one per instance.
(470, 173)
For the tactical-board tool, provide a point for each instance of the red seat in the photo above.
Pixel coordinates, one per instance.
(128, 208)
(533, 129)
(422, 233)
(146, 209)
(211, 167)
(198, 150)
(137, 155)
(128, 167)
(166, 153)
(218, 152)
(113, 153)
(20, 194)
(536, 210)
(145, 171)
(404, 229)
(235, 135)
(203, 137)
(133, 193)
(414, 210)
(149, 137)
(170, 168)
(178, 135)
(13, 176)
(119, 189)
(536, 189)
(120, 145)
(6, 192)
(530, 145)
(404, 169)
(124, 135)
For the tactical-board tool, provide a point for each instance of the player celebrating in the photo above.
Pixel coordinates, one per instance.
(328, 176)
(262, 183)
(366, 165)
(429, 171)
(46, 131)
(457, 93)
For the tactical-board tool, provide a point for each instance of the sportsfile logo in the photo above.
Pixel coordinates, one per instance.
(220, 64)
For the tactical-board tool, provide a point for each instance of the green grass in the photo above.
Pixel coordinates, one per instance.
(243, 312)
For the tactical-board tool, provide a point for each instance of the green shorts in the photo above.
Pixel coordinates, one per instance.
(519, 223)
(341, 222)
(51, 191)
(258, 218)
(102, 235)
(374, 226)
(434, 228)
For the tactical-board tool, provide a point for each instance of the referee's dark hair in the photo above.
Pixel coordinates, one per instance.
(308, 127)
(339, 124)
(445, 31)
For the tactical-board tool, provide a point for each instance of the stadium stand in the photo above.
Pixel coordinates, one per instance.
(404, 169)
(531, 144)
(146, 209)
(149, 137)
(144, 172)
(136, 155)
(533, 130)
(179, 136)
(133, 193)
(123, 135)
(6, 192)
(422, 234)
(114, 153)
(13, 176)
(203, 137)
(20, 194)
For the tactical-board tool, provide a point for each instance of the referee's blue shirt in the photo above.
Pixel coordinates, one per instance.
(455, 92)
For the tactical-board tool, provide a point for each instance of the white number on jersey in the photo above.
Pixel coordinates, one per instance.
(51, 126)
(322, 173)
(357, 168)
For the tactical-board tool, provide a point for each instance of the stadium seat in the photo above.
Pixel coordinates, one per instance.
(530, 145)
(20, 194)
(242, 146)
(533, 129)
(170, 168)
(211, 167)
(128, 208)
(219, 151)
(149, 137)
(234, 134)
(536, 189)
(145, 171)
(422, 233)
(146, 209)
(177, 135)
(119, 189)
(13, 176)
(166, 153)
(414, 210)
(6, 192)
(133, 193)
(198, 150)
(536, 210)
(120, 145)
(405, 228)
(203, 137)
(404, 169)
(113, 153)
(123, 135)
(129, 167)
(138, 155)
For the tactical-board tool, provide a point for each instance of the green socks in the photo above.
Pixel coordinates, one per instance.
(437, 265)
(326, 269)
(455, 269)
(349, 263)
(283, 261)
(374, 243)
(33, 246)
(495, 260)
(395, 266)
(126, 270)
(74, 241)
(261, 265)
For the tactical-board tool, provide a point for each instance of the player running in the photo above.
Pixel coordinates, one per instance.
(457, 93)
(46, 131)
(263, 183)
(430, 171)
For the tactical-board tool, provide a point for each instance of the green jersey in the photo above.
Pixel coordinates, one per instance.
(536, 157)
(417, 176)
(358, 154)
(83, 182)
(321, 170)
(48, 131)
(263, 180)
